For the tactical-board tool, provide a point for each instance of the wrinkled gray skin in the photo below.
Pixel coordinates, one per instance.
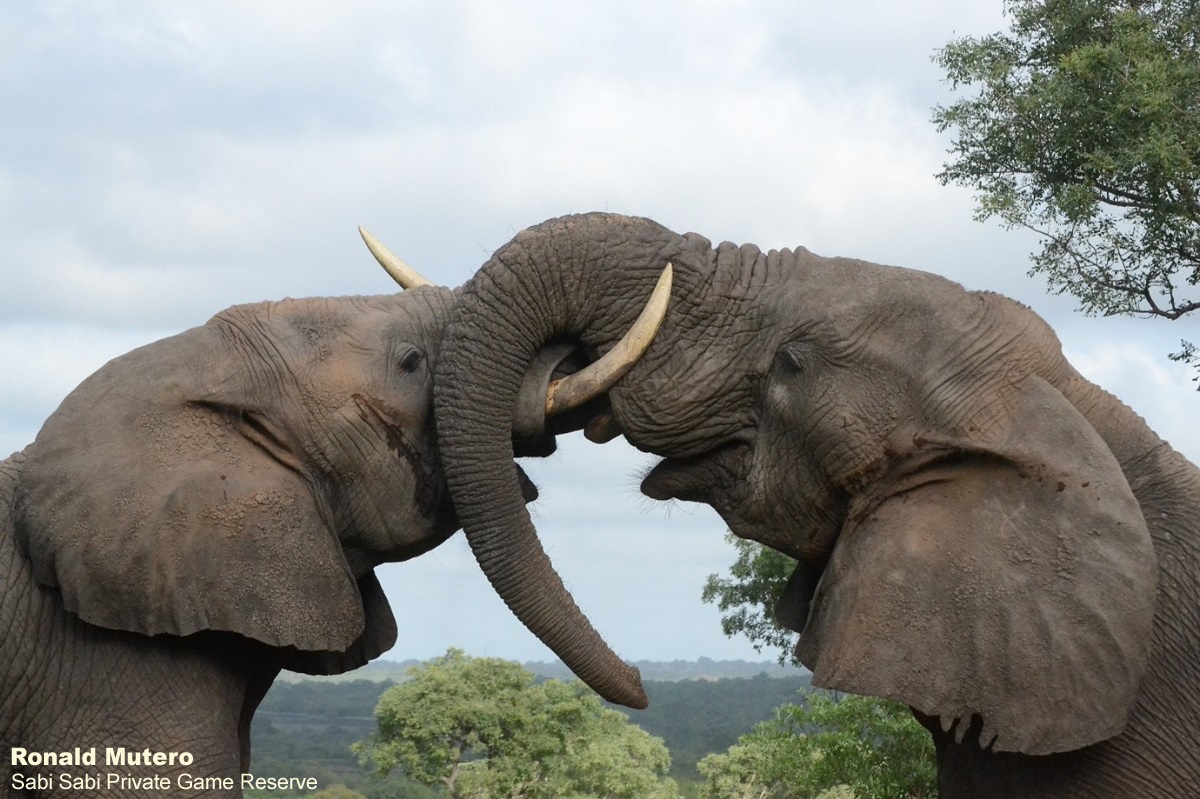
(982, 534)
(207, 510)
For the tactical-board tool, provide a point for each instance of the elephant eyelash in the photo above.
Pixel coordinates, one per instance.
(254, 423)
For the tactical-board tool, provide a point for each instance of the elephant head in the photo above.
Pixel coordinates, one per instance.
(248, 475)
(968, 543)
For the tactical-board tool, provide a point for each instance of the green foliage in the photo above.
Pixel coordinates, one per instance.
(346, 699)
(857, 747)
(304, 728)
(1086, 129)
(697, 718)
(337, 791)
(485, 729)
(747, 597)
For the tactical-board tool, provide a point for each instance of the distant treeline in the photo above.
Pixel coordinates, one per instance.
(698, 717)
(306, 727)
(665, 671)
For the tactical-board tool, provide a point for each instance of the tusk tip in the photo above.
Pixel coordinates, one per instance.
(402, 273)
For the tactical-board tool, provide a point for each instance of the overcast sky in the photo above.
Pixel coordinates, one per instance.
(162, 161)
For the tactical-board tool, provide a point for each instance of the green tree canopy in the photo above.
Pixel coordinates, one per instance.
(1085, 128)
(747, 597)
(485, 729)
(858, 748)
(336, 791)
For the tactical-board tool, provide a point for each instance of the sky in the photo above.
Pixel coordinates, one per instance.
(162, 161)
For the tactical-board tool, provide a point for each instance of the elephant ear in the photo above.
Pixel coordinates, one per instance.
(1009, 576)
(160, 498)
(378, 637)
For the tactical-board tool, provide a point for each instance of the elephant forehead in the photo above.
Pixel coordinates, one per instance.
(689, 403)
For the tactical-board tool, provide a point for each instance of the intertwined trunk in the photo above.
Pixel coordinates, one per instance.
(582, 279)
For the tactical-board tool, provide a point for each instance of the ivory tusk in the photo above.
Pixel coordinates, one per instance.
(401, 272)
(574, 390)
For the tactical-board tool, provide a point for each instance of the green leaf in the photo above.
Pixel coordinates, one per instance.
(859, 746)
(747, 597)
(1083, 125)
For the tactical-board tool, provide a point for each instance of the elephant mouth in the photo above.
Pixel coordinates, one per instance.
(529, 490)
(697, 478)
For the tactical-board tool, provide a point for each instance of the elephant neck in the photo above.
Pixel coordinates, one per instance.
(21, 599)
(1167, 487)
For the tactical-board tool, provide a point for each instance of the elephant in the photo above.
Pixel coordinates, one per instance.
(981, 533)
(207, 510)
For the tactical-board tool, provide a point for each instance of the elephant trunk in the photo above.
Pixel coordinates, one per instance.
(565, 279)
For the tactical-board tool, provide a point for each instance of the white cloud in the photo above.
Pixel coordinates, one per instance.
(1161, 391)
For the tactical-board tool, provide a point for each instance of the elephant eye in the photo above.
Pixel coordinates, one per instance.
(792, 358)
(410, 360)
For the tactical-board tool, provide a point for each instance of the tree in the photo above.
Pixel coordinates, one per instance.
(1086, 130)
(485, 729)
(747, 597)
(336, 791)
(857, 747)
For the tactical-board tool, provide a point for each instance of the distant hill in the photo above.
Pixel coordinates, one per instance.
(660, 671)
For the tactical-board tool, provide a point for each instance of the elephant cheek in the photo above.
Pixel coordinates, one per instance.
(389, 495)
(803, 528)
(789, 504)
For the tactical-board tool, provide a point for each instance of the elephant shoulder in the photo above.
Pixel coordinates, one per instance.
(1011, 314)
(10, 470)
